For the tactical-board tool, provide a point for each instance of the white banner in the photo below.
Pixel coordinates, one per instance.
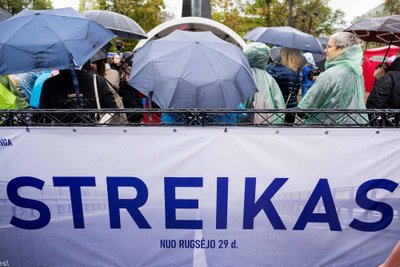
(114, 196)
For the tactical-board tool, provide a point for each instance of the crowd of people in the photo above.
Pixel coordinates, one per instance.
(103, 83)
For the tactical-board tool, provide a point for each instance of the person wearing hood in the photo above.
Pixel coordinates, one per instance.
(341, 85)
(269, 95)
(386, 92)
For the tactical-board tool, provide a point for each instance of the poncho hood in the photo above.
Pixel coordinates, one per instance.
(352, 56)
(258, 55)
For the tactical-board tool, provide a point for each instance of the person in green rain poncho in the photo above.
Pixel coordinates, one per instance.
(10, 97)
(341, 85)
(269, 96)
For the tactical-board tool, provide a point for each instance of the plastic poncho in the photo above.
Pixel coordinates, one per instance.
(340, 86)
(26, 82)
(10, 98)
(269, 95)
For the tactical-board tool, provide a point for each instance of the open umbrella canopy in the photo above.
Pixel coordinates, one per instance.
(36, 40)
(380, 30)
(192, 70)
(123, 26)
(286, 37)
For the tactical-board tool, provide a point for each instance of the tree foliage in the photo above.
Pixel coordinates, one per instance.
(230, 13)
(88, 5)
(313, 16)
(392, 7)
(15, 6)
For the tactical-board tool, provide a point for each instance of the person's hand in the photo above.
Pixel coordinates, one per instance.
(394, 258)
(379, 72)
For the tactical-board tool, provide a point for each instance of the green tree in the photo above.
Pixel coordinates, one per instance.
(230, 13)
(392, 7)
(15, 6)
(40, 4)
(88, 5)
(145, 12)
(313, 16)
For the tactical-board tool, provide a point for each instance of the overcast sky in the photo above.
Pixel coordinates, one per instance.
(352, 8)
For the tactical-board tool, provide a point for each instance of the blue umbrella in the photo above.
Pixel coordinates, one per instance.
(192, 70)
(286, 37)
(36, 40)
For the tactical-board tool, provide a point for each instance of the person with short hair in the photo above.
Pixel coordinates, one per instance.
(341, 85)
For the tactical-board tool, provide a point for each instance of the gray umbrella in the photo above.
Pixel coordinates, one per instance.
(381, 30)
(286, 37)
(123, 26)
(4, 14)
(192, 70)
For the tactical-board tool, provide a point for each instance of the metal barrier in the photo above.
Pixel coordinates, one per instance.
(200, 117)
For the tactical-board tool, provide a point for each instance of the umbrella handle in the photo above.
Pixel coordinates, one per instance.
(387, 51)
(150, 98)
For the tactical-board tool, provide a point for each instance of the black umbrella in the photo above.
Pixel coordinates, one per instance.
(381, 30)
(123, 26)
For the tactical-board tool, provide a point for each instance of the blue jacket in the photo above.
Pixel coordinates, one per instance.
(288, 81)
(306, 81)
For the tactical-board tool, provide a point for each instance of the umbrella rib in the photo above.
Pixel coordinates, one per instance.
(16, 32)
(181, 79)
(150, 46)
(63, 44)
(218, 76)
(44, 19)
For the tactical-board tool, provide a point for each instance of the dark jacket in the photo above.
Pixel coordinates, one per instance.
(131, 98)
(386, 95)
(114, 66)
(288, 81)
(58, 93)
(386, 91)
